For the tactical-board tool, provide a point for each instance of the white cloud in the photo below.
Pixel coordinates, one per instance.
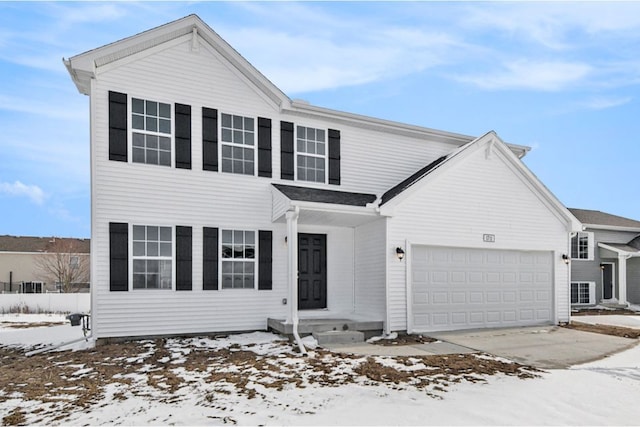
(530, 75)
(33, 192)
(604, 103)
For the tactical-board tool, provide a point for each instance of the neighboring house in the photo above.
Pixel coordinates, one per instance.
(219, 203)
(26, 262)
(605, 260)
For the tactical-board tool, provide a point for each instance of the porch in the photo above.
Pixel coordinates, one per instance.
(369, 328)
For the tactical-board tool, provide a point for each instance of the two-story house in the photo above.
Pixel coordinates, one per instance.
(219, 203)
(605, 260)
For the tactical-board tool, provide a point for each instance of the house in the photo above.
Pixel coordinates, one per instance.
(36, 264)
(219, 203)
(605, 260)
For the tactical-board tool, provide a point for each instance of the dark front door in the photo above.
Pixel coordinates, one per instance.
(607, 281)
(312, 271)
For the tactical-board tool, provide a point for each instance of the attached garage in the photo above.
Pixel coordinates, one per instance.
(461, 288)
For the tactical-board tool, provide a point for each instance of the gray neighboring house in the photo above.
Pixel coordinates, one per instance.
(605, 260)
(19, 267)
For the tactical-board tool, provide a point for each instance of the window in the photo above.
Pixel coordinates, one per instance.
(238, 259)
(151, 124)
(311, 154)
(74, 262)
(238, 144)
(583, 293)
(152, 257)
(581, 246)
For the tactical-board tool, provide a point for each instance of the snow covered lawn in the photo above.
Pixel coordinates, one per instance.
(258, 378)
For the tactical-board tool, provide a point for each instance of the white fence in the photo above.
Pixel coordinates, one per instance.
(45, 303)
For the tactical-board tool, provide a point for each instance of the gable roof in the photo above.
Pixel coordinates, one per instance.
(318, 195)
(394, 191)
(83, 67)
(597, 219)
(41, 244)
(403, 191)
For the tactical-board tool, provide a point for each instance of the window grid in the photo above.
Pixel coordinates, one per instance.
(238, 259)
(580, 246)
(152, 257)
(151, 122)
(580, 293)
(238, 144)
(311, 158)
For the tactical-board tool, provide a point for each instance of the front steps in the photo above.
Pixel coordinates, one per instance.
(338, 337)
(368, 328)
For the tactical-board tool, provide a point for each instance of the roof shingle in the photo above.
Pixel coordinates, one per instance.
(40, 244)
(587, 216)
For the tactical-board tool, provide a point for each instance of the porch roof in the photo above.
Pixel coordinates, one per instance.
(620, 249)
(323, 207)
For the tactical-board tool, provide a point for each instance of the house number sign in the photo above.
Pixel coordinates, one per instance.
(490, 238)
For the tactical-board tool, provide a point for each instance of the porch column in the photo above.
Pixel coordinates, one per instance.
(622, 278)
(292, 252)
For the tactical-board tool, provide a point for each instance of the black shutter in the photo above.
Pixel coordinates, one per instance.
(183, 136)
(209, 139)
(210, 259)
(183, 258)
(118, 256)
(286, 151)
(117, 126)
(334, 157)
(265, 281)
(264, 147)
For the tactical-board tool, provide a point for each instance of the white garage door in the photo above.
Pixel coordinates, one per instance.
(460, 288)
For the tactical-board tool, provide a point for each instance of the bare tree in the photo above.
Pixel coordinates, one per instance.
(64, 263)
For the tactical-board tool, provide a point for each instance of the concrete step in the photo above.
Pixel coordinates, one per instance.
(338, 337)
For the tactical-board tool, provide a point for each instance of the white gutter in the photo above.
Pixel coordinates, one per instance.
(292, 240)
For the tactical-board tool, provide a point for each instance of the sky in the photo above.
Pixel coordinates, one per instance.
(560, 77)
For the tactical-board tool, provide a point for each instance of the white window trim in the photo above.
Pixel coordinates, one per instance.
(232, 144)
(131, 130)
(255, 259)
(592, 292)
(590, 247)
(320, 156)
(173, 257)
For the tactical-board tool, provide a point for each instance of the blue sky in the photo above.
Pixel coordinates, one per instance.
(562, 78)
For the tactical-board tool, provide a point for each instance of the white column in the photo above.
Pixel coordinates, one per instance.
(292, 252)
(622, 279)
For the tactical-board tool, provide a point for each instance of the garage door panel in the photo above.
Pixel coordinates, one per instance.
(457, 288)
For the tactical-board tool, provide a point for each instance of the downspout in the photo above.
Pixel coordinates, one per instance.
(292, 238)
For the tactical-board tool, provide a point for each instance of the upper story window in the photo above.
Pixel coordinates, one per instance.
(311, 154)
(151, 124)
(238, 259)
(238, 144)
(582, 246)
(152, 257)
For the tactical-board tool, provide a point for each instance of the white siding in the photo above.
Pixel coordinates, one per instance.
(475, 196)
(370, 292)
(155, 195)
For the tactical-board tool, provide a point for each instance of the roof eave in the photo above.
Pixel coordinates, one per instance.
(611, 227)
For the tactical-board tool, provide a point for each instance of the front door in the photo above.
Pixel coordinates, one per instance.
(312, 271)
(607, 281)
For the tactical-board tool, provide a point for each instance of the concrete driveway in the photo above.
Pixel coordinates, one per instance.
(547, 347)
